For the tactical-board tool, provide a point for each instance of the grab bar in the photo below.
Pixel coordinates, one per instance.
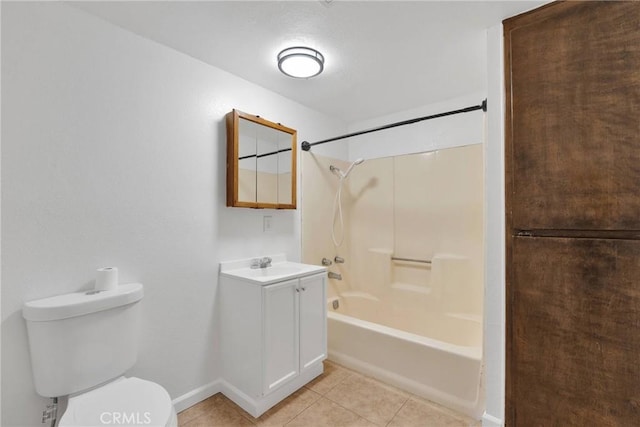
(423, 261)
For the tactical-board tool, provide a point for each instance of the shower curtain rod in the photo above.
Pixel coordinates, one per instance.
(306, 146)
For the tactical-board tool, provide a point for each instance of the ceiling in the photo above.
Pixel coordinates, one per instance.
(381, 56)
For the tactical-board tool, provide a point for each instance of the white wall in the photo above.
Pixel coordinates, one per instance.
(114, 154)
(494, 321)
(428, 135)
(0, 225)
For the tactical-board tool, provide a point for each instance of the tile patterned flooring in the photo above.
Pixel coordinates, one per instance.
(338, 397)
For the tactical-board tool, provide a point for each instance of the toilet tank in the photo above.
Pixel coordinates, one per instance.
(82, 339)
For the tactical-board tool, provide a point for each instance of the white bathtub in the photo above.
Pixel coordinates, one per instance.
(438, 356)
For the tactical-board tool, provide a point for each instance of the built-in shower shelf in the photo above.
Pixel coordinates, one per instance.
(466, 316)
(411, 288)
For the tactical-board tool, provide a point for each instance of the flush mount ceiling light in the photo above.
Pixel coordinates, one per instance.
(300, 62)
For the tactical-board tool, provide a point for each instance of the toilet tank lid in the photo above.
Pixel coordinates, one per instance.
(80, 303)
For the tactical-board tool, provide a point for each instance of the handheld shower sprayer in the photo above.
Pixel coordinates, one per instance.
(344, 175)
(357, 162)
(337, 202)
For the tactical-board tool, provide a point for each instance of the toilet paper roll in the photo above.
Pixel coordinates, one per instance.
(106, 279)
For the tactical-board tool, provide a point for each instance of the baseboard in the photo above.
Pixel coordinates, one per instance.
(198, 395)
(258, 406)
(491, 421)
(470, 409)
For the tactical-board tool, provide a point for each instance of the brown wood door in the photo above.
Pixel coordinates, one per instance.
(573, 132)
(573, 187)
(575, 316)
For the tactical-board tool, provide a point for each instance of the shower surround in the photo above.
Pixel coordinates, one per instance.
(415, 324)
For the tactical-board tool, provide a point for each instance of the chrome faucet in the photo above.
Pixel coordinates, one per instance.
(261, 262)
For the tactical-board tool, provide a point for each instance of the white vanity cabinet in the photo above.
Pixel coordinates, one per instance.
(273, 334)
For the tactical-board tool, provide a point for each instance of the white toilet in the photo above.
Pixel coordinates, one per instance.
(81, 344)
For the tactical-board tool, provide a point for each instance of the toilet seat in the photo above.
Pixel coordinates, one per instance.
(123, 402)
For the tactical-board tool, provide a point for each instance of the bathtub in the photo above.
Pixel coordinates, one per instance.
(438, 356)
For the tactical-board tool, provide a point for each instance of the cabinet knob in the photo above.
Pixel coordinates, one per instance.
(304, 289)
(297, 289)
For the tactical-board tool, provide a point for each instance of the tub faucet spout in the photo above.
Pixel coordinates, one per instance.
(336, 276)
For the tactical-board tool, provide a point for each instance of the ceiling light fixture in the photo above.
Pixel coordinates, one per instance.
(300, 62)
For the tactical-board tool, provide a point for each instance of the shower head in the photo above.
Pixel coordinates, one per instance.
(357, 162)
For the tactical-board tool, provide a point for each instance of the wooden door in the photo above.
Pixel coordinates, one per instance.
(575, 307)
(574, 99)
(573, 215)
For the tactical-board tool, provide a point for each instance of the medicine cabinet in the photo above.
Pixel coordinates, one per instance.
(261, 163)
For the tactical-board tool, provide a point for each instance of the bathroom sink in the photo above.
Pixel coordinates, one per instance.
(284, 269)
(279, 270)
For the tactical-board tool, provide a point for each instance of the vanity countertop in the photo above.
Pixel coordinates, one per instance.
(279, 270)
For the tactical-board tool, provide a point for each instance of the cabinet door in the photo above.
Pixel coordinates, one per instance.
(573, 134)
(280, 322)
(575, 339)
(313, 320)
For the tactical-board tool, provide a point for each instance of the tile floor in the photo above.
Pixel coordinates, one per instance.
(338, 397)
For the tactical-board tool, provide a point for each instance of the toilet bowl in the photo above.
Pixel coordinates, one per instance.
(81, 344)
(124, 401)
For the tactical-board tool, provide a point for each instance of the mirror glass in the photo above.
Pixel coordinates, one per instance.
(261, 163)
(247, 171)
(285, 176)
(267, 165)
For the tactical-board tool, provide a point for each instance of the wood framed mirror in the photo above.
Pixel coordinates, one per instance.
(261, 163)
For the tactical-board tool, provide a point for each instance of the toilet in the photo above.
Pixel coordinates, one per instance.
(81, 344)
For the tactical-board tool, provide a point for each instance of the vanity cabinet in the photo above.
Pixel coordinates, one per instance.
(273, 338)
